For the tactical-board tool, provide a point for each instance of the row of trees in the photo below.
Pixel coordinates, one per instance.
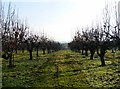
(99, 38)
(15, 36)
(34, 42)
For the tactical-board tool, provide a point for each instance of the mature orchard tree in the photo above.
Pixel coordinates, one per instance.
(49, 46)
(37, 44)
(86, 42)
(30, 44)
(91, 43)
(83, 42)
(77, 44)
(74, 46)
(85, 38)
(43, 43)
(11, 33)
(112, 27)
(93, 40)
(78, 41)
(22, 36)
(107, 34)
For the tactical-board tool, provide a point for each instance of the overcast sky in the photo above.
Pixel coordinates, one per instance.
(59, 19)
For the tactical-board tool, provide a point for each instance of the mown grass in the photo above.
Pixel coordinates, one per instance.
(62, 69)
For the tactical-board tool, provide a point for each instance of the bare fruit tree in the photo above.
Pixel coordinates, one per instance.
(12, 34)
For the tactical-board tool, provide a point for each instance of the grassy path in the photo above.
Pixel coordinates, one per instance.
(59, 71)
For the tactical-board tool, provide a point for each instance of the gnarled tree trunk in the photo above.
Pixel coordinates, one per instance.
(92, 52)
(37, 52)
(86, 52)
(101, 55)
(30, 54)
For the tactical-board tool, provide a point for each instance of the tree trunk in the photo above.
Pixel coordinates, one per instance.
(37, 52)
(102, 60)
(43, 51)
(113, 51)
(102, 54)
(10, 61)
(92, 54)
(82, 52)
(48, 51)
(16, 51)
(79, 51)
(30, 55)
(22, 50)
(86, 52)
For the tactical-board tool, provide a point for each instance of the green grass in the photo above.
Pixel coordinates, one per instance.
(74, 70)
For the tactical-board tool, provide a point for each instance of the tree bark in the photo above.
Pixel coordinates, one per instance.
(43, 51)
(16, 51)
(79, 51)
(82, 52)
(101, 55)
(48, 51)
(112, 51)
(37, 52)
(92, 54)
(10, 61)
(30, 55)
(102, 60)
(22, 50)
(86, 52)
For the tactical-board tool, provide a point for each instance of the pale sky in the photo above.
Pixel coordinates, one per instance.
(59, 19)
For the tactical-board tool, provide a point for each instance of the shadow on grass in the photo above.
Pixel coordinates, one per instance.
(91, 68)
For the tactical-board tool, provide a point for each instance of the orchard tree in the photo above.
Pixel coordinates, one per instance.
(77, 43)
(102, 43)
(112, 27)
(91, 43)
(11, 34)
(85, 38)
(43, 43)
(37, 44)
(30, 44)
